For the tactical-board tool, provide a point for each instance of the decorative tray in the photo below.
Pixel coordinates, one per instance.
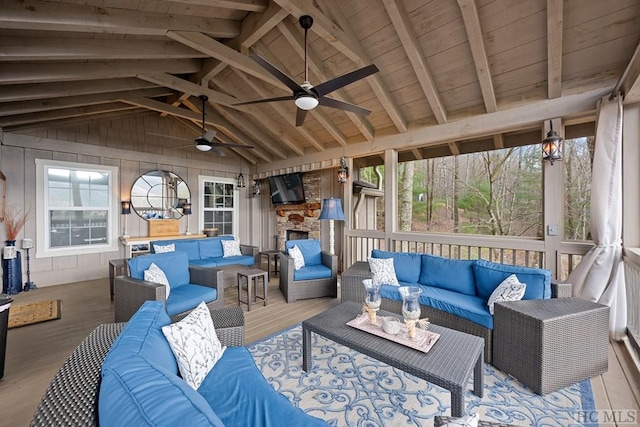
(423, 342)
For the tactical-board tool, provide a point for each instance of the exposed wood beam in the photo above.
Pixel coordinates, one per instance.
(57, 16)
(175, 100)
(65, 49)
(74, 121)
(454, 147)
(555, 22)
(248, 5)
(403, 26)
(21, 119)
(277, 106)
(19, 73)
(255, 26)
(347, 43)
(629, 83)
(417, 154)
(32, 106)
(186, 86)
(211, 68)
(160, 107)
(293, 36)
(498, 141)
(61, 89)
(476, 43)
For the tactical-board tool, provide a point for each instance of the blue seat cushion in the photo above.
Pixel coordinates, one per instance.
(468, 307)
(175, 266)
(188, 297)
(310, 249)
(142, 336)
(239, 394)
(490, 274)
(211, 247)
(206, 262)
(406, 264)
(446, 273)
(312, 272)
(236, 259)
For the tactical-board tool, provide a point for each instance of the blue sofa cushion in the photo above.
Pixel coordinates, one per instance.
(186, 298)
(310, 249)
(236, 259)
(406, 264)
(452, 274)
(174, 264)
(312, 272)
(239, 394)
(211, 247)
(490, 274)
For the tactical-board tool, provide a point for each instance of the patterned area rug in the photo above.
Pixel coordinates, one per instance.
(347, 388)
(28, 314)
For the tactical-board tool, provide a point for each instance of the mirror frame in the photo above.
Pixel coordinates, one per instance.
(159, 194)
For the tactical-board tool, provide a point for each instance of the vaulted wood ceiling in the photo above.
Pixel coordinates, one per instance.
(64, 63)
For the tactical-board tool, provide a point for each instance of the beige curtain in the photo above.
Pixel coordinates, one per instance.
(600, 275)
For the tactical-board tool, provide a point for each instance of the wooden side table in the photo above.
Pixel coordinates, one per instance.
(251, 276)
(270, 254)
(117, 267)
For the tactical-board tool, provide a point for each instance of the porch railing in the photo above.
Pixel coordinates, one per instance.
(632, 280)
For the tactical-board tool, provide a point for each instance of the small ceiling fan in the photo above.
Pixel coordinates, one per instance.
(206, 141)
(305, 95)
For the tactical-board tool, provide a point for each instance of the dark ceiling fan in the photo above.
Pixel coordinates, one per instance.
(306, 96)
(206, 142)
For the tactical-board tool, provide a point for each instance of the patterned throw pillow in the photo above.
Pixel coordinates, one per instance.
(156, 275)
(509, 290)
(195, 345)
(468, 421)
(164, 248)
(230, 248)
(298, 259)
(383, 272)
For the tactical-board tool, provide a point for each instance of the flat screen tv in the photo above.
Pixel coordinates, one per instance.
(286, 189)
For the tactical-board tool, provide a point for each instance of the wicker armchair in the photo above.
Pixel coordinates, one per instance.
(131, 292)
(294, 290)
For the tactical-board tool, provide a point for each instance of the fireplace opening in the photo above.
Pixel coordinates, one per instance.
(297, 234)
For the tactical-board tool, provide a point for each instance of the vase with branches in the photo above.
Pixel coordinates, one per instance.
(14, 220)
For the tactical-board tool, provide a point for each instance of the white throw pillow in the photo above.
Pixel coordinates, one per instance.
(195, 345)
(156, 275)
(509, 290)
(298, 259)
(230, 248)
(383, 272)
(164, 248)
(468, 421)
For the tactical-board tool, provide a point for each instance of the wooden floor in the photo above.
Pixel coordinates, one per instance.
(35, 353)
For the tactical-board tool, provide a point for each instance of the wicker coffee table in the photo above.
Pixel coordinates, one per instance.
(454, 358)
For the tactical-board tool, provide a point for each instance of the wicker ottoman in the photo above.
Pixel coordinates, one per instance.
(552, 343)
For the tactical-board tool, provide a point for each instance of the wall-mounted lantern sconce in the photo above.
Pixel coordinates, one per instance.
(256, 188)
(240, 181)
(186, 210)
(343, 172)
(551, 150)
(125, 209)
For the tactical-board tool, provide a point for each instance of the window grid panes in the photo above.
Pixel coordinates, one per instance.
(219, 206)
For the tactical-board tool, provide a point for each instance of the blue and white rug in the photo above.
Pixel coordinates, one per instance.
(347, 388)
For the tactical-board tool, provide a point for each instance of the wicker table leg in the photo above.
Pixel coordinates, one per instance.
(478, 376)
(306, 350)
(457, 402)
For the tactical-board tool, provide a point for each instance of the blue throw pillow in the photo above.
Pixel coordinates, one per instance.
(406, 264)
(490, 274)
(446, 273)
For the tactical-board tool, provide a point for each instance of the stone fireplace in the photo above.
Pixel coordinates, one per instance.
(295, 222)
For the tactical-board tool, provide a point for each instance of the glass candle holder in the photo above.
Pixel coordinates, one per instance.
(410, 307)
(372, 300)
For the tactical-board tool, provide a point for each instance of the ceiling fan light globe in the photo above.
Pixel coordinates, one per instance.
(306, 102)
(203, 146)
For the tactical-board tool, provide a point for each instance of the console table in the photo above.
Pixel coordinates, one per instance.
(142, 245)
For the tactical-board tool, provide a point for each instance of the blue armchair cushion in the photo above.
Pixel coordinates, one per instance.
(452, 274)
(310, 249)
(237, 259)
(174, 264)
(185, 298)
(239, 394)
(490, 274)
(312, 272)
(406, 264)
(211, 247)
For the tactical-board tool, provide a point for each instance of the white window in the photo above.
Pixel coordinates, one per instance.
(76, 208)
(219, 204)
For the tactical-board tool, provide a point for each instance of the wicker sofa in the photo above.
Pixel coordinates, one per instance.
(436, 301)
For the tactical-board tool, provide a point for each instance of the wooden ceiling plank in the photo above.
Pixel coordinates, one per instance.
(256, 25)
(288, 30)
(403, 27)
(246, 5)
(82, 120)
(185, 86)
(346, 43)
(21, 119)
(476, 42)
(64, 49)
(555, 25)
(498, 141)
(280, 110)
(20, 73)
(57, 16)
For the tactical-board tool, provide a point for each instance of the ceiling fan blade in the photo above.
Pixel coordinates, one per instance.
(169, 136)
(230, 145)
(260, 101)
(291, 84)
(345, 79)
(341, 105)
(209, 135)
(218, 152)
(300, 115)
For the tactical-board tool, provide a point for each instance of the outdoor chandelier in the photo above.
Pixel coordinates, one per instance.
(240, 182)
(343, 172)
(551, 146)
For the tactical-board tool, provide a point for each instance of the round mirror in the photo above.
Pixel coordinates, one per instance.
(160, 195)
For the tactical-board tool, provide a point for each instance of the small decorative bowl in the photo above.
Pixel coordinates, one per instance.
(391, 325)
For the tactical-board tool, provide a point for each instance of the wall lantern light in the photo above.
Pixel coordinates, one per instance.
(343, 172)
(240, 181)
(551, 146)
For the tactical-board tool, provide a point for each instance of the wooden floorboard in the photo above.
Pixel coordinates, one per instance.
(36, 352)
